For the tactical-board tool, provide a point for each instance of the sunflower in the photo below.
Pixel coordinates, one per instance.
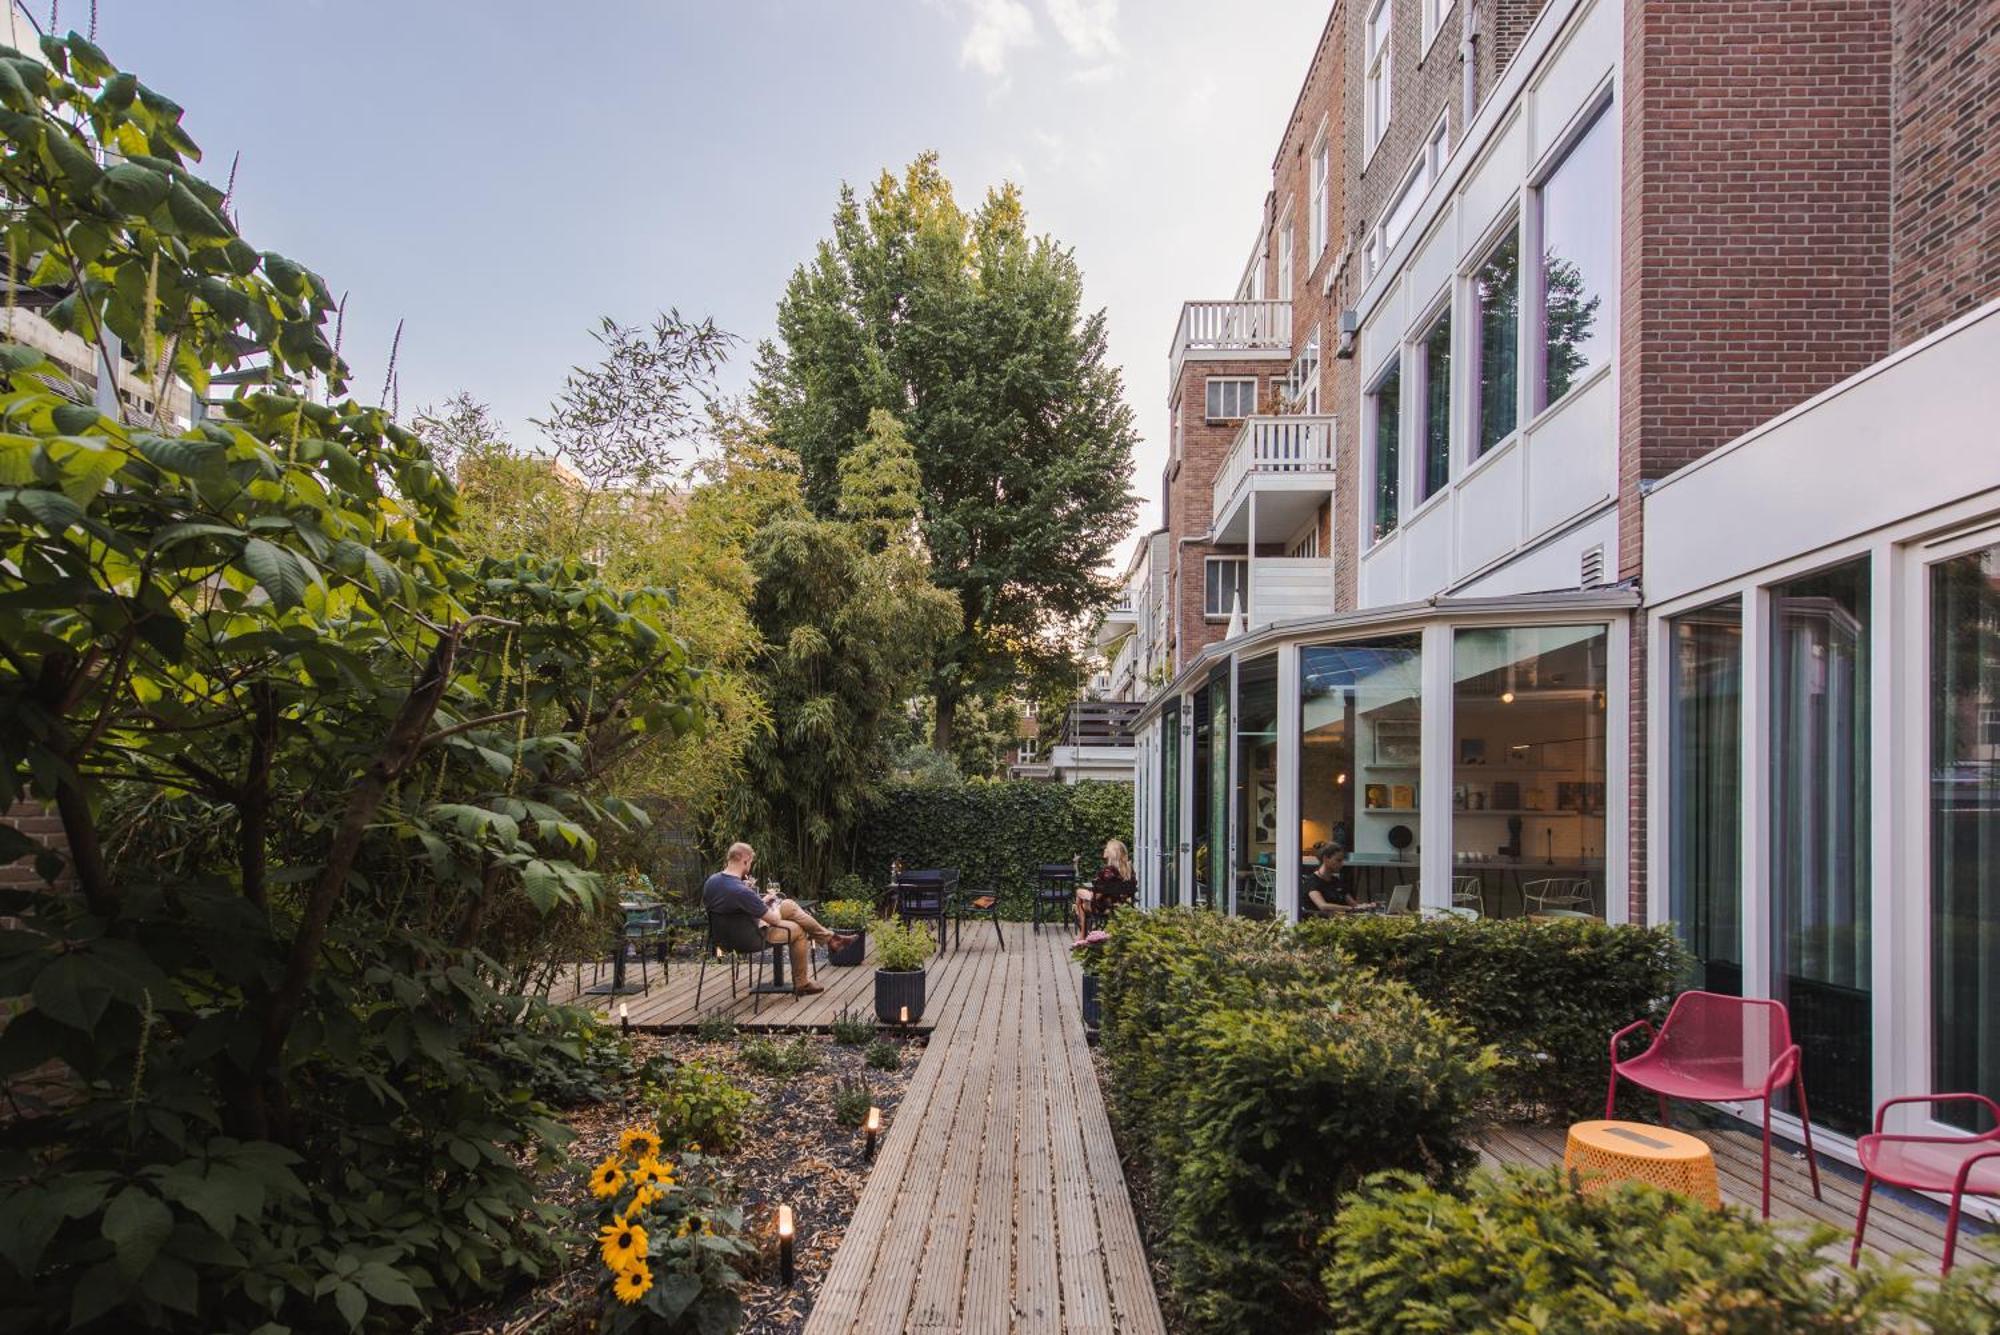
(639, 1143)
(652, 1173)
(607, 1179)
(621, 1244)
(645, 1196)
(632, 1282)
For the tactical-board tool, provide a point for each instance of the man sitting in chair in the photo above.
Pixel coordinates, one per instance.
(730, 892)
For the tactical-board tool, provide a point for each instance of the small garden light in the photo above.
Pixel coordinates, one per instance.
(786, 1271)
(624, 1017)
(904, 1017)
(874, 1128)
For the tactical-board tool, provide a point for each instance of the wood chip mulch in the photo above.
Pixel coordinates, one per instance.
(793, 1153)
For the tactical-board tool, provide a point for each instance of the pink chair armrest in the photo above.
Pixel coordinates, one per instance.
(1991, 1107)
(1636, 1025)
(1965, 1169)
(1782, 1069)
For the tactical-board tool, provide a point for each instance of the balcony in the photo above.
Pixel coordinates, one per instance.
(1286, 463)
(1120, 620)
(1225, 329)
(1099, 723)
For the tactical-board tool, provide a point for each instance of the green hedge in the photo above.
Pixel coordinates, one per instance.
(994, 833)
(1526, 1251)
(1548, 995)
(1259, 1081)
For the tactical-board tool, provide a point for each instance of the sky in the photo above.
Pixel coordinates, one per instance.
(499, 175)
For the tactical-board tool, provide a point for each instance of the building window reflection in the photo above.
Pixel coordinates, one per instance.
(1257, 786)
(1360, 721)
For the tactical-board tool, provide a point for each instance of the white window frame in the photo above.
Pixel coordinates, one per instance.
(1286, 243)
(1420, 361)
(1370, 455)
(1378, 105)
(1533, 279)
(1303, 389)
(1209, 585)
(1320, 169)
(1434, 12)
(1212, 399)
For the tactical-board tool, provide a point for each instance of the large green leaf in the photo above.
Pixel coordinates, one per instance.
(277, 572)
(130, 188)
(137, 1224)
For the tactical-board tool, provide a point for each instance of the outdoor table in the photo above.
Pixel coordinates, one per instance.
(618, 987)
(1603, 1154)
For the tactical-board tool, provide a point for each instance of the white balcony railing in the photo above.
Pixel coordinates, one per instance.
(1297, 444)
(1231, 326)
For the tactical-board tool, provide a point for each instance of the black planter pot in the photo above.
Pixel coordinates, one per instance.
(851, 954)
(1090, 1011)
(896, 991)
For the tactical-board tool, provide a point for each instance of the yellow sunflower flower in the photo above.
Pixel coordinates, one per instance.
(607, 1179)
(632, 1282)
(652, 1173)
(645, 1196)
(639, 1142)
(621, 1244)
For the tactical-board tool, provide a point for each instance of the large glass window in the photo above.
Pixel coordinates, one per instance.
(1528, 792)
(1704, 799)
(1435, 352)
(1316, 218)
(1257, 785)
(1387, 398)
(1820, 833)
(1203, 756)
(1965, 828)
(1285, 260)
(1170, 804)
(1360, 722)
(1496, 299)
(1579, 278)
(1231, 397)
(1217, 779)
(1376, 103)
(1222, 586)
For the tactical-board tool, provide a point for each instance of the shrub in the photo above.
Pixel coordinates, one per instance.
(901, 947)
(852, 1028)
(718, 1026)
(1526, 1250)
(884, 1055)
(1548, 995)
(698, 1106)
(669, 1240)
(768, 1056)
(850, 887)
(851, 1101)
(846, 915)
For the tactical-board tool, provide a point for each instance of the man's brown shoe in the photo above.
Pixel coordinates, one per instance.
(841, 940)
(807, 989)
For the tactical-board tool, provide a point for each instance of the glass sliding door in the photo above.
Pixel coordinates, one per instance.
(1170, 803)
(1198, 776)
(1704, 794)
(1965, 829)
(1257, 786)
(1361, 723)
(1820, 819)
(1217, 779)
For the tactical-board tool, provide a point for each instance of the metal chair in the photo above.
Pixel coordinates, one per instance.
(1055, 893)
(924, 896)
(1714, 1048)
(983, 905)
(1558, 892)
(1468, 892)
(736, 937)
(1402, 897)
(1953, 1164)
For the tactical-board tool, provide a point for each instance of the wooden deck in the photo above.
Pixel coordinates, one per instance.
(952, 978)
(1901, 1227)
(997, 1203)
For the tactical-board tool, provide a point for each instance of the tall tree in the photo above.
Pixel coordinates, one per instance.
(973, 334)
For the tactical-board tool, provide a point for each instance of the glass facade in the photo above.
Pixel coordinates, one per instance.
(1529, 712)
(1496, 296)
(1218, 792)
(1170, 806)
(1360, 725)
(1705, 801)
(1436, 353)
(1203, 752)
(1820, 824)
(1388, 400)
(1256, 786)
(1964, 810)
(1579, 270)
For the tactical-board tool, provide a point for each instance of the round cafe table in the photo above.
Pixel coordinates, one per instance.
(1603, 1154)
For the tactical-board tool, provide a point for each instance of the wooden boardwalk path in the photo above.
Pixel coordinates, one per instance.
(997, 1203)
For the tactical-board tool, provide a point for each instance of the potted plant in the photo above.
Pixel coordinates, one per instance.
(900, 952)
(1089, 953)
(847, 916)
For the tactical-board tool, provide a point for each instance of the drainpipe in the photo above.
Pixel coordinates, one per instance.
(1468, 66)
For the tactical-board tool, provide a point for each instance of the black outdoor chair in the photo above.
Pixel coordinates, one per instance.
(643, 929)
(925, 896)
(986, 905)
(739, 937)
(1055, 893)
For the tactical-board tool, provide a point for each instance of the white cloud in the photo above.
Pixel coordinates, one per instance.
(999, 28)
(1089, 28)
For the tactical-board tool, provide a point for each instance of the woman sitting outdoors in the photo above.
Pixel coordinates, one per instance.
(1324, 890)
(1115, 885)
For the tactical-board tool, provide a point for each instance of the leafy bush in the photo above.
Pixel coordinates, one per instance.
(852, 1028)
(883, 1055)
(698, 1106)
(768, 1056)
(995, 833)
(901, 947)
(718, 1026)
(1548, 995)
(577, 1060)
(669, 1237)
(1525, 1250)
(851, 1101)
(846, 915)
(850, 887)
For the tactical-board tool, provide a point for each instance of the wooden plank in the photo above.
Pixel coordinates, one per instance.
(1037, 1291)
(1086, 1289)
(989, 1281)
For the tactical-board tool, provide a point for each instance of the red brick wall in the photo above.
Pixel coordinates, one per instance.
(1946, 220)
(39, 824)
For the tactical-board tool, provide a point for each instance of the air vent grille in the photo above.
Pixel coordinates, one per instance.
(1591, 574)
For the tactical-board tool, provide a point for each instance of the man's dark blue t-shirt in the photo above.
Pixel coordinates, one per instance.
(724, 893)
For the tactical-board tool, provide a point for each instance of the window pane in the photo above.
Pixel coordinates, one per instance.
(1965, 828)
(1528, 792)
(1360, 716)
(1256, 785)
(1496, 289)
(1437, 407)
(1203, 794)
(1170, 808)
(1580, 260)
(1820, 833)
(1388, 398)
(1218, 791)
(1705, 818)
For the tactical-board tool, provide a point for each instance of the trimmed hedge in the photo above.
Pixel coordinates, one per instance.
(995, 833)
(1526, 1251)
(1548, 995)
(1259, 1081)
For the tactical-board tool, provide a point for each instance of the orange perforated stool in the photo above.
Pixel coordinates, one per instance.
(1603, 1154)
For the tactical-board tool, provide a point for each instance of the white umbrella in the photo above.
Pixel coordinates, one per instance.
(1236, 625)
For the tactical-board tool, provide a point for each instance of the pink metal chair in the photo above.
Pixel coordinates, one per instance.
(1956, 1164)
(1715, 1047)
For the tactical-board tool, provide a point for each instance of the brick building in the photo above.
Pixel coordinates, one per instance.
(1657, 349)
